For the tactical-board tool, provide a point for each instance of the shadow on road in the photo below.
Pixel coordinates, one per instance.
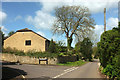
(9, 63)
(10, 73)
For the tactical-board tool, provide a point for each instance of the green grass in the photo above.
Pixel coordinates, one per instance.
(77, 63)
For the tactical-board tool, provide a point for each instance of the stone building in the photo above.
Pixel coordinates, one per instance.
(26, 40)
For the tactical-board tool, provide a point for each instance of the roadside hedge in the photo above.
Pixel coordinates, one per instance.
(31, 53)
(109, 52)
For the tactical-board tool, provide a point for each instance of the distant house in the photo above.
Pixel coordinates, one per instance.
(26, 40)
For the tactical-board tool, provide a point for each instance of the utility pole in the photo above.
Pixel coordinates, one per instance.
(104, 19)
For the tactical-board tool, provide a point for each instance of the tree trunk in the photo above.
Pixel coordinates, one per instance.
(69, 42)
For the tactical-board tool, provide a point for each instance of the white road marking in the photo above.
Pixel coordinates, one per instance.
(66, 71)
(69, 69)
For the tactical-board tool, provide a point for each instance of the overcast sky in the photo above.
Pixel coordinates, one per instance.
(38, 15)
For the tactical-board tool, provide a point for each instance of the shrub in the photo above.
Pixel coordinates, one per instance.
(86, 49)
(61, 54)
(52, 47)
(109, 52)
(13, 51)
(31, 53)
(109, 47)
(111, 71)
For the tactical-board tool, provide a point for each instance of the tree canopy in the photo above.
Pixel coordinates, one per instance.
(86, 49)
(109, 52)
(52, 47)
(11, 33)
(109, 46)
(2, 34)
(73, 20)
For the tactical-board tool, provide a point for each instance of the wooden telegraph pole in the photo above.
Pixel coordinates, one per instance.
(104, 19)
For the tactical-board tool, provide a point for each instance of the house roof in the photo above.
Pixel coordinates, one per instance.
(24, 30)
(28, 30)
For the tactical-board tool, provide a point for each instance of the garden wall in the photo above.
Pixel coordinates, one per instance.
(64, 59)
(33, 60)
(26, 59)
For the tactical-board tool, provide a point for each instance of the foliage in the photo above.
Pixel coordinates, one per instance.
(77, 47)
(86, 49)
(61, 47)
(111, 71)
(2, 37)
(52, 47)
(57, 47)
(41, 54)
(77, 50)
(31, 53)
(11, 33)
(95, 52)
(13, 51)
(109, 47)
(77, 63)
(109, 52)
(72, 20)
(61, 54)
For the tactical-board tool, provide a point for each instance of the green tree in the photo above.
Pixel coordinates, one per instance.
(2, 37)
(60, 46)
(11, 33)
(95, 52)
(52, 47)
(109, 52)
(109, 46)
(77, 47)
(73, 21)
(86, 49)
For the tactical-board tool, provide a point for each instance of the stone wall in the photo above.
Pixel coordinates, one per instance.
(26, 59)
(33, 60)
(64, 59)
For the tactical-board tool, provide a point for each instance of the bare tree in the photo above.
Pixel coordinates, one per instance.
(73, 20)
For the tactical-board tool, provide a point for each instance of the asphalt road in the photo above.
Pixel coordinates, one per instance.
(89, 70)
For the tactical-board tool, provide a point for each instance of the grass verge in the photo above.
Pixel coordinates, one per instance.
(76, 63)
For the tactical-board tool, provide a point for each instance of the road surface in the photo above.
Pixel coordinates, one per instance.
(89, 70)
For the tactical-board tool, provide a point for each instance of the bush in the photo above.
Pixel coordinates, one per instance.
(111, 71)
(60, 46)
(95, 52)
(109, 52)
(31, 53)
(109, 47)
(86, 49)
(13, 51)
(52, 47)
(61, 54)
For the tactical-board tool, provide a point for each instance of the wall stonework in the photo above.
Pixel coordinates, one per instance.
(33, 60)
(64, 59)
(26, 59)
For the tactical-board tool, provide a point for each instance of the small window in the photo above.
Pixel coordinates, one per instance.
(28, 42)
